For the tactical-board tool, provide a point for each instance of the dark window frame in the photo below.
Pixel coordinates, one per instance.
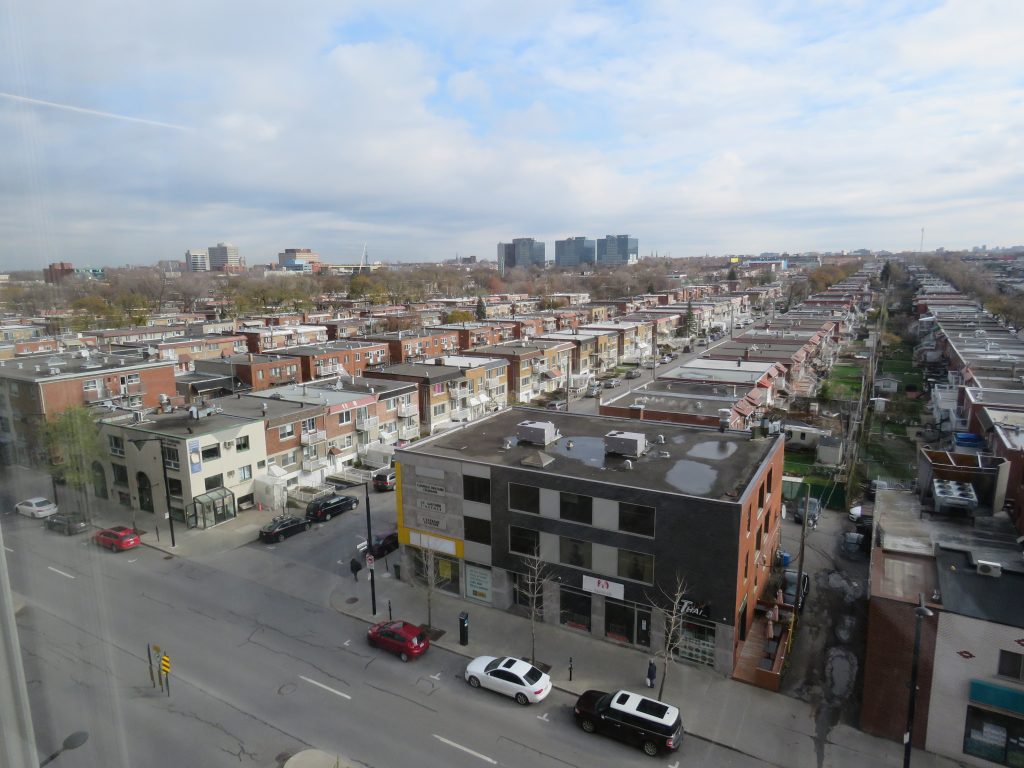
(473, 530)
(636, 512)
(476, 489)
(576, 507)
(534, 534)
(528, 490)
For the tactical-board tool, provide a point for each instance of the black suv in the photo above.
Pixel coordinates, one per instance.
(652, 725)
(66, 524)
(329, 506)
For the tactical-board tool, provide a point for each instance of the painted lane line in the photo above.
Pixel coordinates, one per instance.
(8, 549)
(347, 643)
(467, 750)
(66, 575)
(544, 717)
(325, 687)
(134, 561)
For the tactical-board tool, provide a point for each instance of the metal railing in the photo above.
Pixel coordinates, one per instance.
(406, 410)
(316, 436)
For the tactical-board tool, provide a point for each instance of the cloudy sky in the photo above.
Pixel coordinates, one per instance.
(130, 131)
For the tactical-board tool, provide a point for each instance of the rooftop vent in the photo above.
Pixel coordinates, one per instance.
(537, 432)
(625, 443)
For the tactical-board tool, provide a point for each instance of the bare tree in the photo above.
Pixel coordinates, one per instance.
(535, 577)
(674, 605)
(432, 579)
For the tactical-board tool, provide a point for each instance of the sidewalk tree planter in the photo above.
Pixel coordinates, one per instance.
(672, 602)
(536, 575)
(73, 442)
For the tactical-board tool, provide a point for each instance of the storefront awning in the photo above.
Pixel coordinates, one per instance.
(1001, 696)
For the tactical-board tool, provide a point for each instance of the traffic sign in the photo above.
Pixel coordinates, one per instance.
(369, 561)
(165, 664)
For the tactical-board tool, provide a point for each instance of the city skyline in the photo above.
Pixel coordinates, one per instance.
(134, 135)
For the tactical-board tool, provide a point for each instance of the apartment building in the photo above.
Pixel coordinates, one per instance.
(409, 346)
(534, 367)
(253, 371)
(617, 510)
(277, 337)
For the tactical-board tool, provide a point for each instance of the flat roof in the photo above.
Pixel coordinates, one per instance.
(73, 365)
(179, 423)
(699, 462)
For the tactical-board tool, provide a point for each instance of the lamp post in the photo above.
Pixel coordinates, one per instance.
(137, 442)
(369, 547)
(920, 613)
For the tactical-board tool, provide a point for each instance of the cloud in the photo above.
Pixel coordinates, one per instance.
(426, 130)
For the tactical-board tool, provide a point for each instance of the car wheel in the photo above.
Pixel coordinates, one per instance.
(521, 699)
(473, 682)
(310, 525)
(650, 749)
(280, 538)
(403, 656)
(588, 726)
(327, 516)
(372, 642)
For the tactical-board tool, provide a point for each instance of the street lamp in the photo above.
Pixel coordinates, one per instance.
(369, 547)
(138, 442)
(73, 741)
(920, 613)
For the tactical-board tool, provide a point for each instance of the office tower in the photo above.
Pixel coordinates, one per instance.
(617, 249)
(574, 251)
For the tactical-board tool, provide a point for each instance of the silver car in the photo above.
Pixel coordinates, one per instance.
(512, 677)
(36, 507)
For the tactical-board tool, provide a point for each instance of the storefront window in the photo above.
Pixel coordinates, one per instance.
(994, 736)
(619, 620)
(575, 608)
(697, 642)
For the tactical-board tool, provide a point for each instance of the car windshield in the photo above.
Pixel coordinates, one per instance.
(533, 675)
(493, 665)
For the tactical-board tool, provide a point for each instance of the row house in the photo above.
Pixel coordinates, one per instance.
(597, 313)
(478, 334)
(109, 337)
(339, 358)
(16, 332)
(184, 351)
(634, 339)
(535, 367)
(35, 390)
(526, 327)
(483, 388)
(408, 346)
(728, 406)
(438, 387)
(664, 325)
(210, 460)
(252, 371)
(275, 338)
(345, 328)
(768, 377)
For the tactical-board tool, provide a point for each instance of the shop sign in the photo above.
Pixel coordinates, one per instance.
(478, 582)
(603, 587)
(195, 458)
(433, 522)
(432, 489)
(434, 507)
(690, 608)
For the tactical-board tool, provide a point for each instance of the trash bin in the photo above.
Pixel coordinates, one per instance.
(463, 628)
(783, 557)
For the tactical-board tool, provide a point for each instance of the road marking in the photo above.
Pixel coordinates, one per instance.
(66, 575)
(134, 561)
(325, 687)
(346, 643)
(674, 765)
(8, 549)
(436, 677)
(544, 717)
(467, 750)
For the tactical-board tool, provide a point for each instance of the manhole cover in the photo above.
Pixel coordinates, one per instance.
(352, 600)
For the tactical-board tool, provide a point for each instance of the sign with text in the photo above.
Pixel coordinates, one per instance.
(430, 488)
(195, 457)
(603, 587)
(433, 507)
(478, 582)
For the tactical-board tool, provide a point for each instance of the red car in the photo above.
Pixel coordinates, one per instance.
(118, 538)
(405, 640)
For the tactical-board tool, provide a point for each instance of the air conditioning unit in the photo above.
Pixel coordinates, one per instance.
(988, 568)
(227, 445)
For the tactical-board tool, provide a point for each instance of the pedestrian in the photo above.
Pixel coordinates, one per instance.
(652, 672)
(355, 566)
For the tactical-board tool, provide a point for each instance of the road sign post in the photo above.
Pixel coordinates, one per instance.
(165, 671)
(369, 562)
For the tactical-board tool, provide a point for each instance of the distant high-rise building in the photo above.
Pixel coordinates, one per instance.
(58, 272)
(197, 261)
(521, 252)
(224, 257)
(298, 259)
(574, 251)
(506, 257)
(617, 249)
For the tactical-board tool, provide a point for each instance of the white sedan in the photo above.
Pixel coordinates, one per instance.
(512, 677)
(36, 507)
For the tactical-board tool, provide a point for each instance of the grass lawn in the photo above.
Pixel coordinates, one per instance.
(890, 456)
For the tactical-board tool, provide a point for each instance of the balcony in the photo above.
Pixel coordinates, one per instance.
(389, 438)
(131, 389)
(410, 432)
(405, 410)
(328, 370)
(312, 438)
(95, 395)
(366, 423)
(458, 414)
(313, 465)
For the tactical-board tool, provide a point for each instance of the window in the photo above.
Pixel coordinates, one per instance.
(523, 541)
(211, 452)
(288, 430)
(439, 410)
(524, 498)
(636, 566)
(476, 489)
(438, 389)
(392, 403)
(760, 499)
(261, 464)
(242, 443)
(91, 385)
(574, 552)
(170, 454)
(576, 508)
(245, 473)
(575, 608)
(116, 445)
(289, 458)
(477, 530)
(994, 736)
(259, 374)
(1011, 665)
(345, 417)
(214, 481)
(120, 474)
(309, 425)
(275, 372)
(634, 518)
(174, 487)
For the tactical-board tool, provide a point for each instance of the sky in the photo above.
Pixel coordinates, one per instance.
(130, 132)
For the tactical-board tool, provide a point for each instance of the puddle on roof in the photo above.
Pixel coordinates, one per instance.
(715, 450)
(589, 450)
(692, 477)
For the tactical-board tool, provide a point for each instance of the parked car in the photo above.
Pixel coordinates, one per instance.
(512, 677)
(118, 539)
(856, 513)
(634, 373)
(875, 486)
(36, 507)
(789, 590)
(325, 508)
(650, 364)
(666, 359)
(557, 405)
(612, 382)
(650, 724)
(283, 526)
(592, 389)
(866, 525)
(384, 543)
(405, 640)
(66, 524)
(852, 543)
(385, 479)
(813, 511)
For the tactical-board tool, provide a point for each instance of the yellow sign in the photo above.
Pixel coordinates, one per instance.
(165, 664)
